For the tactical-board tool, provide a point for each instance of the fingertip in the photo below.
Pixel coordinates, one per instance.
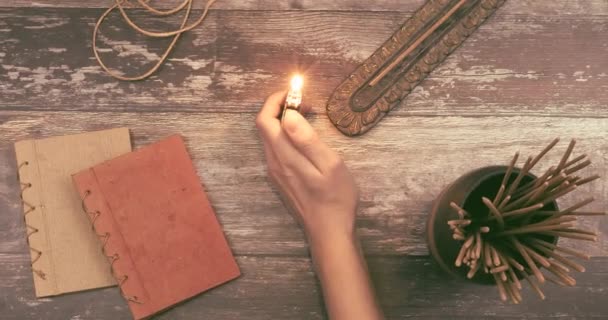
(299, 131)
(267, 117)
(276, 99)
(306, 140)
(292, 121)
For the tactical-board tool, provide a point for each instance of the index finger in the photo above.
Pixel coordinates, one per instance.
(268, 115)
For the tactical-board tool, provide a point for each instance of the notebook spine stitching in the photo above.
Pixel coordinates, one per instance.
(30, 229)
(112, 257)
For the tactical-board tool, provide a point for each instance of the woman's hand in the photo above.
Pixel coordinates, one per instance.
(312, 178)
(321, 192)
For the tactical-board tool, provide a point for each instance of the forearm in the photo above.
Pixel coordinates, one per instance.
(323, 196)
(344, 277)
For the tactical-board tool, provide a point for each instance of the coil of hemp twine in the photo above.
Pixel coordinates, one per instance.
(120, 5)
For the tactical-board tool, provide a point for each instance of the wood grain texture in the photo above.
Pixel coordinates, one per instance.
(537, 70)
(404, 60)
(413, 159)
(561, 7)
(512, 65)
(407, 288)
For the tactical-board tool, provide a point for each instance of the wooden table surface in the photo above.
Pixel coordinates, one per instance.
(534, 71)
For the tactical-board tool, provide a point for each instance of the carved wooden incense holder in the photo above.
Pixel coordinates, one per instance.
(499, 225)
(407, 57)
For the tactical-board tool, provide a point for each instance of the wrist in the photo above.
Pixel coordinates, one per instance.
(330, 225)
(330, 242)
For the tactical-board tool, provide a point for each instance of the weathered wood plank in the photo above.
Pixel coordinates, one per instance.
(542, 59)
(561, 7)
(47, 56)
(511, 66)
(285, 288)
(400, 166)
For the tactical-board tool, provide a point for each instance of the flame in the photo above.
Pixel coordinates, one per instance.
(296, 82)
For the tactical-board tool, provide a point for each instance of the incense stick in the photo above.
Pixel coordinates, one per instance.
(478, 245)
(561, 249)
(504, 202)
(505, 179)
(494, 211)
(559, 258)
(495, 257)
(534, 183)
(553, 221)
(501, 288)
(537, 257)
(587, 180)
(487, 254)
(461, 212)
(514, 278)
(525, 198)
(503, 276)
(560, 266)
(522, 173)
(543, 178)
(514, 263)
(578, 167)
(581, 231)
(461, 254)
(473, 270)
(463, 222)
(556, 281)
(562, 276)
(561, 193)
(524, 230)
(575, 160)
(566, 155)
(458, 237)
(576, 206)
(534, 285)
(570, 235)
(416, 43)
(511, 240)
(510, 293)
(499, 269)
(528, 260)
(535, 195)
(544, 152)
(515, 290)
(498, 196)
(523, 210)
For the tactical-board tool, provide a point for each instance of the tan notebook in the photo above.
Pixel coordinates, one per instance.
(66, 254)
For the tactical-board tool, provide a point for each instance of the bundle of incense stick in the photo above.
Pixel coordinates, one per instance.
(513, 239)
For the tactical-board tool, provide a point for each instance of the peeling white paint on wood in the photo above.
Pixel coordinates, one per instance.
(514, 85)
(397, 192)
(531, 7)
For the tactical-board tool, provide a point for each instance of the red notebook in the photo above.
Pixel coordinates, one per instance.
(156, 225)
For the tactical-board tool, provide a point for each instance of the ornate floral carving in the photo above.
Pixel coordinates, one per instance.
(356, 106)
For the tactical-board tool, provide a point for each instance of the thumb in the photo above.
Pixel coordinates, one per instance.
(306, 140)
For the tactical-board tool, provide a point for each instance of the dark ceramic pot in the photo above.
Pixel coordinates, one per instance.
(467, 192)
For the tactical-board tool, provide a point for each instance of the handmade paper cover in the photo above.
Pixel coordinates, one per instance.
(160, 232)
(66, 255)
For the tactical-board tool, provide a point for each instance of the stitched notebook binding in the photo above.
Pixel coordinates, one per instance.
(30, 229)
(112, 257)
